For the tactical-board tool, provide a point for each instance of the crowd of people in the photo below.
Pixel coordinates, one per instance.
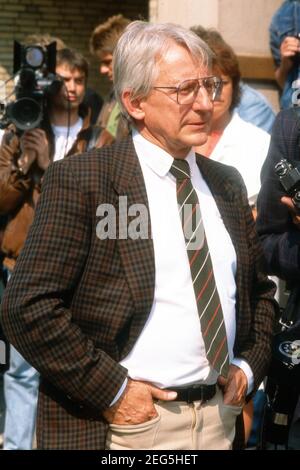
(115, 343)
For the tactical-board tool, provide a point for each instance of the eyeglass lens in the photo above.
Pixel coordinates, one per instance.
(189, 89)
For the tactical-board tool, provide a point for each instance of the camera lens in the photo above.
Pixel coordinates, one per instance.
(296, 199)
(34, 57)
(25, 113)
(281, 167)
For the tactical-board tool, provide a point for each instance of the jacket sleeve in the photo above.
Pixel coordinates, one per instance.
(279, 236)
(36, 308)
(14, 186)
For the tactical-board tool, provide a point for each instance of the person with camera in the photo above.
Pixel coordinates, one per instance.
(152, 335)
(285, 48)
(278, 218)
(24, 156)
(278, 226)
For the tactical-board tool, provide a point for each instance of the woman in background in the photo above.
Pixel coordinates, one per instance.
(232, 140)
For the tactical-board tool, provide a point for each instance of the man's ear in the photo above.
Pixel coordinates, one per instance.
(133, 106)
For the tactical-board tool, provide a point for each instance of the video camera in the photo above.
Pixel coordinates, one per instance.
(289, 177)
(34, 69)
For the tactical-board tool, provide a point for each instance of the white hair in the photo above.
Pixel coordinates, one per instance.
(138, 50)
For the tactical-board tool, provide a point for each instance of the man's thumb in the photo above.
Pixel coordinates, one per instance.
(222, 381)
(165, 395)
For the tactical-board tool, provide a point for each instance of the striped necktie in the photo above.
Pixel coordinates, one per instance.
(207, 297)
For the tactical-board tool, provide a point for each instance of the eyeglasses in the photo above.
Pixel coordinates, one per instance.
(188, 90)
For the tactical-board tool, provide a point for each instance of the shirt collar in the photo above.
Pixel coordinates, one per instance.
(155, 157)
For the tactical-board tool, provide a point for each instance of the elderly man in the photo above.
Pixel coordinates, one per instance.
(148, 333)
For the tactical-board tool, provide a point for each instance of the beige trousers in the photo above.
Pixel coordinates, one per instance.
(180, 426)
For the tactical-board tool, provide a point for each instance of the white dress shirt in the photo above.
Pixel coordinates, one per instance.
(170, 349)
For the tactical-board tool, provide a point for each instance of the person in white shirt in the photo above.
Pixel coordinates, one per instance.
(154, 330)
(243, 146)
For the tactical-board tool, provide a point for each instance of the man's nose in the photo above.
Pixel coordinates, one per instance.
(203, 100)
(71, 85)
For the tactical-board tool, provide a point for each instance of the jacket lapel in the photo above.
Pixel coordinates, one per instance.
(137, 255)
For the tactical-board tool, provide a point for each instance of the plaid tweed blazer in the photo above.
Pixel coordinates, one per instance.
(279, 235)
(76, 304)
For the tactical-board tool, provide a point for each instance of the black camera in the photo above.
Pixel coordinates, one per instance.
(283, 378)
(289, 177)
(34, 69)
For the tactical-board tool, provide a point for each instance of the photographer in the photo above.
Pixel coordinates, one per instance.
(278, 220)
(24, 157)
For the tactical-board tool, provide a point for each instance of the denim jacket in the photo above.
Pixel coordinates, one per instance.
(286, 22)
(255, 108)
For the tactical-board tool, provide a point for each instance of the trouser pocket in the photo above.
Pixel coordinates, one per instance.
(133, 436)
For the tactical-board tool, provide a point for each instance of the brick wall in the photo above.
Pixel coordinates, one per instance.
(71, 20)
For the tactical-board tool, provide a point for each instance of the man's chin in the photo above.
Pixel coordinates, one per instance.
(71, 105)
(199, 140)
